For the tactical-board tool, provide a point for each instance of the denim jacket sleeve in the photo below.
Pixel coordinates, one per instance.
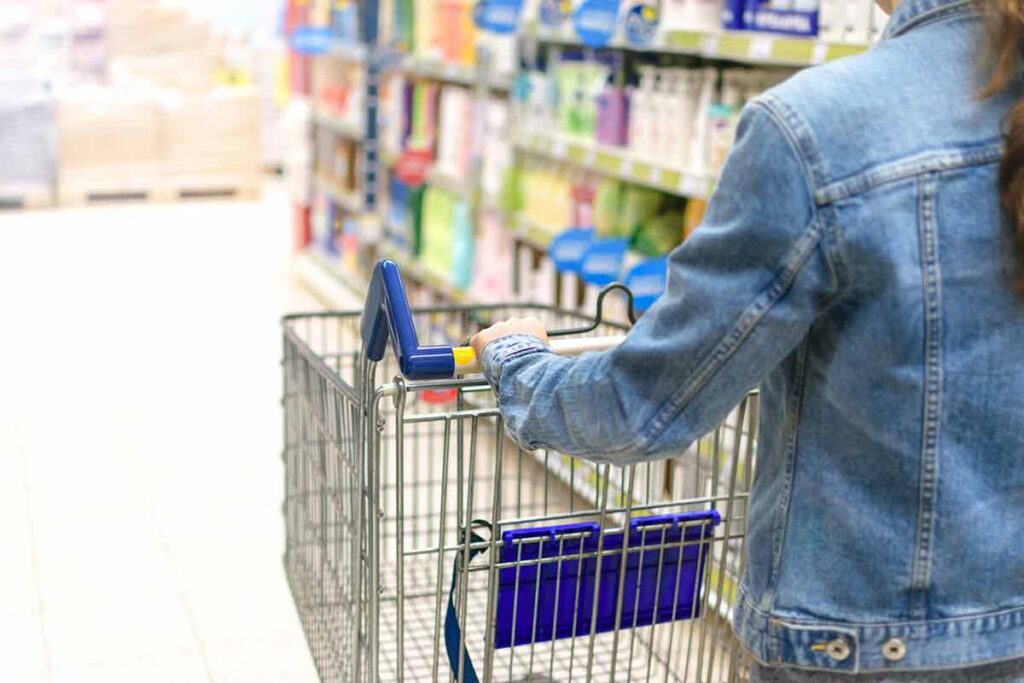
(742, 294)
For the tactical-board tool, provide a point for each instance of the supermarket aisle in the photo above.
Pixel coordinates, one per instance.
(140, 471)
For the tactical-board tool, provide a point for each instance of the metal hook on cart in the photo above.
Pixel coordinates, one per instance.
(599, 319)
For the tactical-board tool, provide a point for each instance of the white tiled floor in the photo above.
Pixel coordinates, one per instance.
(140, 440)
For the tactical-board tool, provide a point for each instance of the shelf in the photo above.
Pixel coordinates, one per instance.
(617, 163)
(347, 51)
(449, 183)
(738, 46)
(338, 125)
(458, 74)
(350, 201)
(760, 48)
(532, 235)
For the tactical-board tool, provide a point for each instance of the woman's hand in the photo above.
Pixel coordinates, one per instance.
(511, 326)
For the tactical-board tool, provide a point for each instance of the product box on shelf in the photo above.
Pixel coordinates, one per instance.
(115, 140)
(106, 131)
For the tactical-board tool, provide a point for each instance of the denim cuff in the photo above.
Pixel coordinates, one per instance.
(504, 349)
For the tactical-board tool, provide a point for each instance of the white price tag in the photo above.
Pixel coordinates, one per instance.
(760, 47)
(588, 157)
(655, 175)
(690, 186)
(558, 148)
(451, 70)
(711, 46)
(820, 53)
(627, 167)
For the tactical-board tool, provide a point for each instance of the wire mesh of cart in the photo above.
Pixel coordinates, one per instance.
(424, 545)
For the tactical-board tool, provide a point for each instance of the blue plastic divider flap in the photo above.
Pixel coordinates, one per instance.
(549, 592)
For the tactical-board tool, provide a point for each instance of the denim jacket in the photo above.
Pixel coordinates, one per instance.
(855, 264)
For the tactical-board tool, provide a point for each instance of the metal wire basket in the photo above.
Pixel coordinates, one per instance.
(424, 545)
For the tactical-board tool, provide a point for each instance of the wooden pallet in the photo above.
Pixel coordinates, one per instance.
(85, 190)
(25, 196)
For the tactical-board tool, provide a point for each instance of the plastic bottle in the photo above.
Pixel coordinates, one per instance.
(640, 113)
(858, 20)
(832, 21)
(705, 100)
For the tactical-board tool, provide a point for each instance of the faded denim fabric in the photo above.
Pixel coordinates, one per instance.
(854, 263)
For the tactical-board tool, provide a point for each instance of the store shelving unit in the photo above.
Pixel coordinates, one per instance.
(339, 126)
(456, 74)
(350, 201)
(757, 49)
(616, 162)
(753, 49)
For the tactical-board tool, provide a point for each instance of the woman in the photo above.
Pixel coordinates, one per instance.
(859, 262)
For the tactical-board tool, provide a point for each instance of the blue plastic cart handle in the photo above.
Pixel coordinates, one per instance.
(387, 316)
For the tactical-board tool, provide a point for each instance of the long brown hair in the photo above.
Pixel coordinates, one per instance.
(1005, 19)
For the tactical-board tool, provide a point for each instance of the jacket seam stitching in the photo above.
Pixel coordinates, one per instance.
(893, 172)
(785, 503)
(803, 143)
(931, 285)
(839, 625)
(799, 136)
(930, 17)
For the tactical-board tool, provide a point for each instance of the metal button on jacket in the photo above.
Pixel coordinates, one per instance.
(894, 650)
(838, 650)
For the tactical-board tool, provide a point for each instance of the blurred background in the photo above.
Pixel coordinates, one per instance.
(175, 175)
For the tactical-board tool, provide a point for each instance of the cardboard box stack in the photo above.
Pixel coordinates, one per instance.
(162, 125)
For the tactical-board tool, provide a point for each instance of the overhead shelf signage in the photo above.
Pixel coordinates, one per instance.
(311, 40)
(568, 249)
(596, 22)
(498, 16)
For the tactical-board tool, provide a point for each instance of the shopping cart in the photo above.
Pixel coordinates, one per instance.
(424, 545)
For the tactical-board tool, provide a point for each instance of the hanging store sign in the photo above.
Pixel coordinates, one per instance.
(310, 40)
(647, 281)
(498, 16)
(568, 249)
(602, 262)
(596, 22)
(412, 166)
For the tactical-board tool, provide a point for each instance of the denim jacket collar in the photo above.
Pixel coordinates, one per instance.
(911, 14)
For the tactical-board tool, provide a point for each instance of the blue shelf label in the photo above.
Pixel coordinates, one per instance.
(553, 13)
(311, 40)
(732, 14)
(647, 281)
(641, 24)
(568, 249)
(602, 262)
(498, 16)
(596, 22)
(758, 17)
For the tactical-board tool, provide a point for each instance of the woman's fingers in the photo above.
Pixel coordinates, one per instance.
(512, 326)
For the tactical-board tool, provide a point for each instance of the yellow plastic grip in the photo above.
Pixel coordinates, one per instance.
(464, 355)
